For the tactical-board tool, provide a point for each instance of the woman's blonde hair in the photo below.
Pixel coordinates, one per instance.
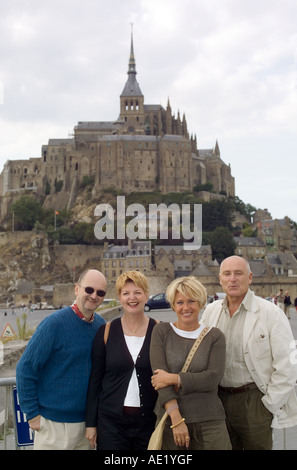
(190, 287)
(137, 277)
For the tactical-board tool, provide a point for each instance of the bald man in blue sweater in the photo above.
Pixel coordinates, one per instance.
(53, 373)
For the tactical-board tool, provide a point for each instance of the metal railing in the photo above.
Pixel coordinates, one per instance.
(12, 416)
(8, 383)
(10, 420)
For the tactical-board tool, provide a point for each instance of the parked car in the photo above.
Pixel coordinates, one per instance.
(156, 302)
(216, 296)
(33, 307)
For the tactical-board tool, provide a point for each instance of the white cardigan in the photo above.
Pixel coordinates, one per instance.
(270, 355)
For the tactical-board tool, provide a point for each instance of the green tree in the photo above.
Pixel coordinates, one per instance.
(208, 186)
(79, 232)
(27, 211)
(66, 236)
(246, 209)
(222, 243)
(89, 236)
(248, 231)
(87, 181)
(47, 188)
(62, 218)
(217, 213)
(58, 185)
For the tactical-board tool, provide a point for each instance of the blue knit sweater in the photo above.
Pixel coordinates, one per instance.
(53, 372)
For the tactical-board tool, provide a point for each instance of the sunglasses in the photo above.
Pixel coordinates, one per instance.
(90, 290)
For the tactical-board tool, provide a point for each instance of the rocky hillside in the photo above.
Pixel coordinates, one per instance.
(23, 255)
(28, 256)
(38, 257)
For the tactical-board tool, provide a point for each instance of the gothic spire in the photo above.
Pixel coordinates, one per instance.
(217, 149)
(132, 64)
(132, 87)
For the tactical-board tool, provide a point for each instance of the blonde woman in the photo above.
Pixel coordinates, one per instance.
(196, 417)
(121, 398)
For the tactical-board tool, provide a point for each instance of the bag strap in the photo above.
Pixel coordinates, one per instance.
(194, 348)
(106, 332)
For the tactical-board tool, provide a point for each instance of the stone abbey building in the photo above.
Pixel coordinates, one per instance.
(146, 148)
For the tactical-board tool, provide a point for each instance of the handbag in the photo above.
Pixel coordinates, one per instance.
(156, 439)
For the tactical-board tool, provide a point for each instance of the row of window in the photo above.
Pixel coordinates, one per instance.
(132, 106)
(131, 263)
(17, 171)
(114, 274)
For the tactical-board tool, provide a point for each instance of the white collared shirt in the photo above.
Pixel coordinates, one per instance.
(236, 372)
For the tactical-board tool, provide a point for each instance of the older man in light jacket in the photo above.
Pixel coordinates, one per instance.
(258, 386)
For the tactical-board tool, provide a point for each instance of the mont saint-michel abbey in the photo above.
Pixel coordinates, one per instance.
(147, 148)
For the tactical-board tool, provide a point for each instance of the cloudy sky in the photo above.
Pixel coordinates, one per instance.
(229, 65)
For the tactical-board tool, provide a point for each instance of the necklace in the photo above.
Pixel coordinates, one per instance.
(134, 331)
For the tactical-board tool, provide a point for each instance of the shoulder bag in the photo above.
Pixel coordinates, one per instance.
(155, 442)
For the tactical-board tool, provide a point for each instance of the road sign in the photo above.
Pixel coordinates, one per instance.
(7, 332)
(24, 434)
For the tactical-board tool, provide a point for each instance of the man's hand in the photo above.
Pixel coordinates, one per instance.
(34, 423)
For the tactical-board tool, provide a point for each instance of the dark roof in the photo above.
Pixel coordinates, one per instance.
(282, 259)
(249, 241)
(201, 270)
(259, 267)
(96, 125)
(25, 287)
(132, 87)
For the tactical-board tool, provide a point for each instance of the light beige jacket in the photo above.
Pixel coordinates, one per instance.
(270, 355)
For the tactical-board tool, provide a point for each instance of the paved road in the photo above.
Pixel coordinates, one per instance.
(283, 439)
(34, 318)
(10, 316)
